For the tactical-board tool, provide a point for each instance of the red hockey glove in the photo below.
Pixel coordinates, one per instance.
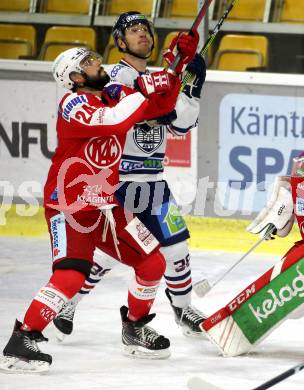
(162, 104)
(184, 44)
(156, 82)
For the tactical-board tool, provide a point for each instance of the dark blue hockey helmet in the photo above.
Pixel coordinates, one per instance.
(129, 19)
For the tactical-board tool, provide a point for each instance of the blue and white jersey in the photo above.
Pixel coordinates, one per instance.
(145, 146)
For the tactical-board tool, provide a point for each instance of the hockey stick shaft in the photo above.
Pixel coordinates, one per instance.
(210, 39)
(194, 27)
(262, 239)
(196, 383)
(281, 377)
(202, 287)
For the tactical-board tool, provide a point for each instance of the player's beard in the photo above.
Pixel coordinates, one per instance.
(97, 82)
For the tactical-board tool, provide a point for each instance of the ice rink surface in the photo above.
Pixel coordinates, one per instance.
(91, 357)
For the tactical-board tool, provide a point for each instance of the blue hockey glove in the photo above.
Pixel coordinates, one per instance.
(198, 68)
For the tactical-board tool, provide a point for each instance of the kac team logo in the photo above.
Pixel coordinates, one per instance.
(103, 153)
(147, 138)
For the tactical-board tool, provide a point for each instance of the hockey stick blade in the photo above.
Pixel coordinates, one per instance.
(201, 287)
(196, 383)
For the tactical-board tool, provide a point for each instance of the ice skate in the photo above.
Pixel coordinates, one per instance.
(22, 354)
(141, 341)
(64, 320)
(189, 319)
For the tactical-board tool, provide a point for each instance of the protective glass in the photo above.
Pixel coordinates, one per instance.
(136, 28)
(90, 59)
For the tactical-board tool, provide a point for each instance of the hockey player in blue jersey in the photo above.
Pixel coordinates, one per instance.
(143, 189)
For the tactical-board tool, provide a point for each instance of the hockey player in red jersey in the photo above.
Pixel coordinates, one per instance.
(142, 166)
(82, 212)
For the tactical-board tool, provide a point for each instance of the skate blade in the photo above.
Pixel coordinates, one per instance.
(14, 365)
(60, 336)
(138, 352)
(194, 335)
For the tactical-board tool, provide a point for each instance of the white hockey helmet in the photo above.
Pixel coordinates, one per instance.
(66, 63)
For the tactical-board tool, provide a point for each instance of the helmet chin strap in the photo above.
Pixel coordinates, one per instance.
(127, 50)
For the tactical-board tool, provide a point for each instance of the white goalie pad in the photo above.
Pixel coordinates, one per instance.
(260, 308)
(278, 211)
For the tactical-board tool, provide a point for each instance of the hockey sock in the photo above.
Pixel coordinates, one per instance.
(63, 285)
(103, 264)
(141, 296)
(178, 273)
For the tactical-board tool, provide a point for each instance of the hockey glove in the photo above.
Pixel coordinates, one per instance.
(186, 46)
(156, 82)
(166, 119)
(163, 104)
(113, 90)
(198, 68)
(278, 211)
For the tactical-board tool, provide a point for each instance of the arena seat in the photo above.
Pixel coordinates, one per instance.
(290, 11)
(116, 7)
(240, 52)
(15, 5)
(246, 10)
(17, 40)
(181, 9)
(111, 54)
(60, 38)
(68, 6)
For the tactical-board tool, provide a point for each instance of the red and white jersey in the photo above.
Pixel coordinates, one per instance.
(91, 133)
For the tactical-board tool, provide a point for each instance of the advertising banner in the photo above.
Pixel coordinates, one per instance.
(259, 135)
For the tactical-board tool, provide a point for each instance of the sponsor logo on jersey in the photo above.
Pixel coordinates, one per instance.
(142, 235)
(147, 164)
(299, 207)
(148, 139)
(174, 221)
(145, 292)
(91, 195)
(69, 104)
(58, 231)
(115, 70)
(103, 152)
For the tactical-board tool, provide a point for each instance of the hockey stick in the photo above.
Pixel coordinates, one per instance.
(210, 39)
(194, 26)
(281, 377)
(202, 287)
(196, 383)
